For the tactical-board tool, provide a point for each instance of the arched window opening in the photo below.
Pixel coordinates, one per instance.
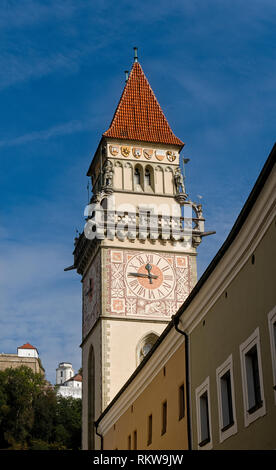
(145, 346)
(147, 177)
(159, 180)
(118, 175)
(128, 177)
(137, 176)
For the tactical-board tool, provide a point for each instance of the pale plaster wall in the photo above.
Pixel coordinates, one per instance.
(123, 337)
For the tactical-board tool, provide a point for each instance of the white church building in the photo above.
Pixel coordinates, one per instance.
(68, 384)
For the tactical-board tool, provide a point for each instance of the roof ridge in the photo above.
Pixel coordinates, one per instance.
(26, 346)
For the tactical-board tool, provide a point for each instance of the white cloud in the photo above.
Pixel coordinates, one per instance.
(60, 129)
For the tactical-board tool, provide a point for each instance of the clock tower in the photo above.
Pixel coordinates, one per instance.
(137, 253)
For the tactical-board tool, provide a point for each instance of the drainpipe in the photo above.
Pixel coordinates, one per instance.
(98, 434)
(175, 320)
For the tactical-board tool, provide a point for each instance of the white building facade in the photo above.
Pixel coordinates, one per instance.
(64, 372)
(69, 385)
(71, 388)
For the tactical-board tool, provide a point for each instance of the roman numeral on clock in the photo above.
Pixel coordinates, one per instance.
(141, 291)
(134, 266)
(151, 294)
(149, 258)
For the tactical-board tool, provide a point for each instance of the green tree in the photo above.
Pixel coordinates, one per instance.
(32, 416)
(68, 422)
(19, 389)
(45, 408)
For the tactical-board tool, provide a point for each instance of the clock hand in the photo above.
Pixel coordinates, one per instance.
(153, 276)
(148, 268)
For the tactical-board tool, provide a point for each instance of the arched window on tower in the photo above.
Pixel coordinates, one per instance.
(147, 177)
(149, 183)
(145, 346)
(137, 176)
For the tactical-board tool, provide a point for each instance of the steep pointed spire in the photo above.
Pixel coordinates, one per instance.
(138, 115)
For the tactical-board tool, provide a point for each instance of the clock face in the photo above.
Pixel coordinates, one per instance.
(149, 276)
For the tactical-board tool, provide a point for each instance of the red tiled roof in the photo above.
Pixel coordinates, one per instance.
(26, 346)
(76, 377)
(138, 115)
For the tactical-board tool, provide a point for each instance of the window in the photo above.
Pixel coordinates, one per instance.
(137, 176)
(149, 430)
(129, 442)
(181, 401)
(252, 382)
(203, 415)
(204, 419)
(145, 346)
(135, 440)
(272, 333)
(253, 379)
(147, 177)
(164, 418)
(226, 400)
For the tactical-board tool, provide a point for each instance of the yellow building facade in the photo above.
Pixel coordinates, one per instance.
(151, 412)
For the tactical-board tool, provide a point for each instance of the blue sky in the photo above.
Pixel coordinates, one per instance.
(211, 64)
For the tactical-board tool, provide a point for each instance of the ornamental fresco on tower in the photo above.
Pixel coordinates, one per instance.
(91, 294)
(144, 284)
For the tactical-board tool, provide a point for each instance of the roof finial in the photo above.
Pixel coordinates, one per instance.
(135, 54)
(126, 72)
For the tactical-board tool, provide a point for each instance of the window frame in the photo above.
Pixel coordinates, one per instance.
(201, 390)
(251, 342)
(271, 321)
(226, 431)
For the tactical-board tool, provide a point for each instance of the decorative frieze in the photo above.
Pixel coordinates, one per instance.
(136, 153)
